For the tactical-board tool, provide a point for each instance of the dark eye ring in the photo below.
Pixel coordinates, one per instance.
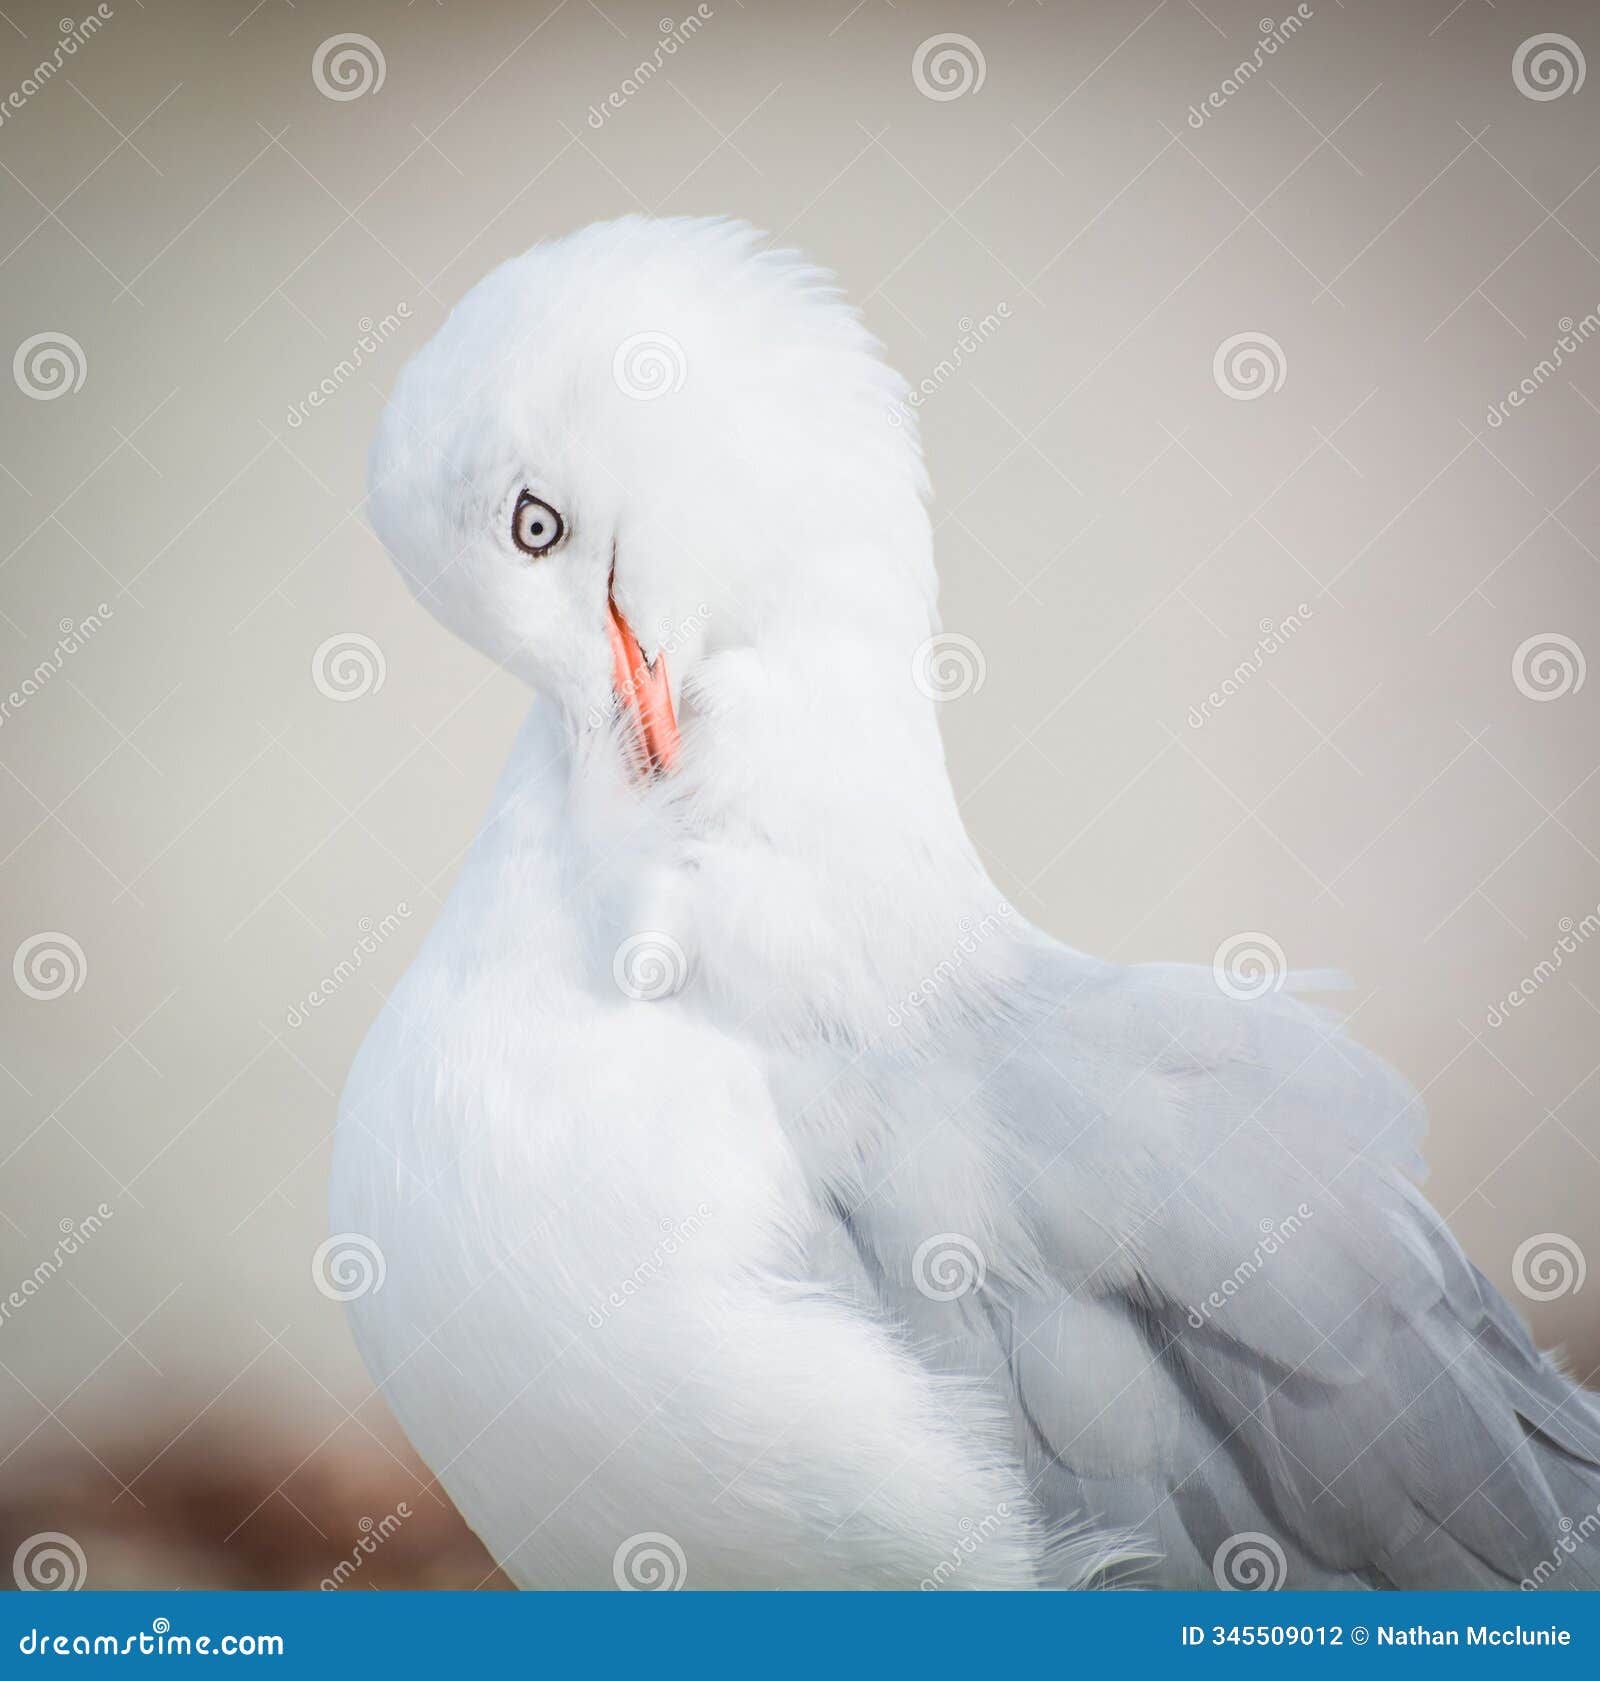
(536, 527)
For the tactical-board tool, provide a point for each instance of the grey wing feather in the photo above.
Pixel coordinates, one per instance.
(1220, 1308)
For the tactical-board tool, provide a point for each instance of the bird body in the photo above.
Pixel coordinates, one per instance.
(764, 1202)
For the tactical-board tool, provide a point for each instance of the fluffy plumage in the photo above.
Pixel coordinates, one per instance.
(868, 1239)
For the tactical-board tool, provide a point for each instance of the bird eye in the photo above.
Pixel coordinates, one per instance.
(536, 527)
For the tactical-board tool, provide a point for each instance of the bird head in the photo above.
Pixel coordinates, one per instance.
(648, 443)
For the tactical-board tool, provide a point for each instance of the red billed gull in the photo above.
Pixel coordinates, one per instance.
(761, 1202)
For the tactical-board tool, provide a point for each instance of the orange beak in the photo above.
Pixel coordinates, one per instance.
(644, 694)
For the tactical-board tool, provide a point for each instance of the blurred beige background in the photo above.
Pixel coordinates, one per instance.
(1394, 222)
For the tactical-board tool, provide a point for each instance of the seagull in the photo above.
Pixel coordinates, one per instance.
(758, 1200)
